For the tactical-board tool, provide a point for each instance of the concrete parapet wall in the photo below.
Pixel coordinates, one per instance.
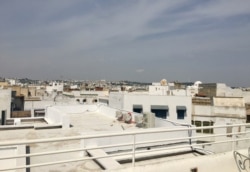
(76, 108)
(110, 112)
(55, 116)
(5, 101)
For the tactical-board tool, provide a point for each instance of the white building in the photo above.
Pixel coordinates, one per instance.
(219, 90)
(88, 97)
(174, 108)
(5, 103)
(54, 87)
(161, 100)
(11, 81)
(219, 105)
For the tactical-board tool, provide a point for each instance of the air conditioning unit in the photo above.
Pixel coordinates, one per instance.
(139, 121)
(139, 118)
(127, 117)
(119, 115)
(149, 120)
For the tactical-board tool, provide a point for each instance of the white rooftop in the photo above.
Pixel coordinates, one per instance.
(88, 120)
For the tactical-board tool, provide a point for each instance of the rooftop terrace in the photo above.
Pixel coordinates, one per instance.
(92, 139)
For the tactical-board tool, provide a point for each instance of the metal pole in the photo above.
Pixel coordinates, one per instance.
(233, 139)
(134, 142)
(3, 118)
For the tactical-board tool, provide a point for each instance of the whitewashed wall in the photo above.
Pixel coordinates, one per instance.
(171, 101)
(246, 95)
(55, 116)
(55, 86)
(5, 101)
(116, 100)
(229, 101)
(158, 90)
(202, 110)
(224, 90)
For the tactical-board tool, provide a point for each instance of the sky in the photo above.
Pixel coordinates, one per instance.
(136, 40)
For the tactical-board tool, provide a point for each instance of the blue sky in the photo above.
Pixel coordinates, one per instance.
(138, 40)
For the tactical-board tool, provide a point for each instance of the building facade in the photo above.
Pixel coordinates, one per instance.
(161, 99)
(5, 104)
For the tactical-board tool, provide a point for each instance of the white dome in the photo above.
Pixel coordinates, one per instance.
(197, 83)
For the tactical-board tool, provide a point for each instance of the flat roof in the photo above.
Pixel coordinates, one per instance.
(82, 122)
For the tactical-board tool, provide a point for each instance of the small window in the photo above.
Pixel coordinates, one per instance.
(160, 111)
(206, 124)
(248, 118)
(181, 112)
(137, 108)
(198, 124)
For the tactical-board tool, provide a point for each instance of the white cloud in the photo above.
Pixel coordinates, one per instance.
(159, 34)
(139, 70)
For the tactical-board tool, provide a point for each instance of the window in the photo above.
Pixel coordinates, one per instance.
(137, 108)
(181, 112)
(248, 118)
(198, 124)
(160, 111)
(204, 124)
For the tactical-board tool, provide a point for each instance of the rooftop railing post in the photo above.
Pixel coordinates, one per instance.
(190, 136)
(233, 140)
(134, 141)
(82, 144)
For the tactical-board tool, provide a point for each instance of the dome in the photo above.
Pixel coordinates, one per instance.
(164, 82)
(197, 83)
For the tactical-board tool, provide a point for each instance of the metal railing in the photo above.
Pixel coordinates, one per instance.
(133, 152)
